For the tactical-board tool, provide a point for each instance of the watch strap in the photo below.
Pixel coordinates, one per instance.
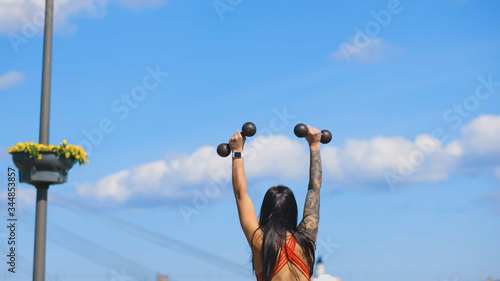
(237, 154)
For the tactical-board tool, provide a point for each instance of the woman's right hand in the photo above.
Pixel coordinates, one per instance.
(237, 142)
(313, 137)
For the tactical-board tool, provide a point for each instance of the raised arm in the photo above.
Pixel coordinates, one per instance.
(246, 211)
(310, 220)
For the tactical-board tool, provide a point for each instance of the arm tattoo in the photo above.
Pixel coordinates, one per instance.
(310, 221)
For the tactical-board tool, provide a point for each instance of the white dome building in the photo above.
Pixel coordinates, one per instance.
(321, 275)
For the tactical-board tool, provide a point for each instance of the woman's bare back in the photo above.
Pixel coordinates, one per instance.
(289, 271)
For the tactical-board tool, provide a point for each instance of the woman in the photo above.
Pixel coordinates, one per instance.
(281, 250)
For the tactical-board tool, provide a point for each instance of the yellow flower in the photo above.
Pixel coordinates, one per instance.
(63, 149)
(20, 146)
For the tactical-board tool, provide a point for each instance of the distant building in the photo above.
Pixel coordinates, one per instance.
(160, 277)
(321, 275)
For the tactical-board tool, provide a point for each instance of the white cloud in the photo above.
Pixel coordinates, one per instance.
(10, 79)
(114, 186)
(271, 157)
(366, 163)
(479, 146)
(482, 135)
(367, 50)
(27, 16)
(357, 164)
(164, 178)
(454, 148)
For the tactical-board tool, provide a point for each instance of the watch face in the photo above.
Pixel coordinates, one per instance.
(237, 155)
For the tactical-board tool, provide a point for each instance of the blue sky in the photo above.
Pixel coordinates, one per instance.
(409, 89)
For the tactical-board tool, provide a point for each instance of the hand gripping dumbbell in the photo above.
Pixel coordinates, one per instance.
(247, 130)
(301, 131)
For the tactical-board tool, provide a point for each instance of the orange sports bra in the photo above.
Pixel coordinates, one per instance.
(289, 247)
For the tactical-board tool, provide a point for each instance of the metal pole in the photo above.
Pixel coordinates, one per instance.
(40, 232)
(42, 189)
(46, 73)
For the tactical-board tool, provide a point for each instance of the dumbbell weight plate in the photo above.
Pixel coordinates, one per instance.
(248, 129)
(301, 130)
(223, 150)
(326, 136)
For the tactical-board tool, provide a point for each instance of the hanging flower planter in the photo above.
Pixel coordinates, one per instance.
(39, 163)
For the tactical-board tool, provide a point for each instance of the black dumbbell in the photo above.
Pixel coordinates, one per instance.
(301, 131)
(247, 130)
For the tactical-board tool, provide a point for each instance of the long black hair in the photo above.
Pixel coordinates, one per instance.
(278, 217)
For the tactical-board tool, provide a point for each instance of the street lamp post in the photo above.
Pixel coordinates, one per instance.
(42, 188)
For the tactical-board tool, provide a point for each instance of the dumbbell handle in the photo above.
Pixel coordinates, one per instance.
(301, 131)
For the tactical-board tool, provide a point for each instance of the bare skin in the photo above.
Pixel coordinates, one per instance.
(246, 210)
(310, 220)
